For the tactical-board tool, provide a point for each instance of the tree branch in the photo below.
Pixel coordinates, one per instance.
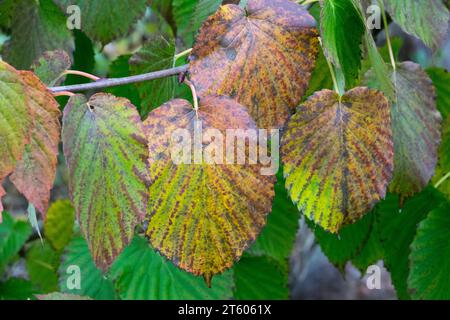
(113, 82)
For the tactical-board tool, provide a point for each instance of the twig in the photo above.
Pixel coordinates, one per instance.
(113, 82)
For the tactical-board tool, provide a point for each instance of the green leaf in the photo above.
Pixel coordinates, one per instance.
(13, 235)
(398, 228)
(37, 26)
(106, 150)
(51, 66)
(189, 16)
(83, 58)
(278, 236)
(342, 30)
(441, 79)
(106, 20)
(42, 264)
(260, 278)
(430, 257)
(6, 13)
(337, 154)
(343, 247)
(157, 54)
(120, 68)
(60, 296)
(92, 282)
(427, 20)
(441, 178)
(140, 273)
(415, 126)
(59, 223)
(16, 289)
(321, 77)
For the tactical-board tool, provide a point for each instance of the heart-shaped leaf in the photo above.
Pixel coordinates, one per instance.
(338, 155)
(106, 150)
(262, 56)
(209, 212)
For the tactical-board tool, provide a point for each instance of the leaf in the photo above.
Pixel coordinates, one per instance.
(278, 236)
(321, 77)
(35, 172)
(37, 26)
(32, 219)
(58, 296)
(83, 58)
(441, 79)
(262, 56)
(120, 68)
(6, 12)
(341, 248)
(13, 235)
(427, 20)
(157, 54)
(415, 128)
(106, 20)
(140, 273)
(16, 119)
(59, 223)
(209, 213)
(430, 253)
(338, 155)
(397, 230)
(441, 178)
(260, 278)
(190, 15)
(342, 30)
(51, 66)
(92, 282)
(105, 148)
(16, 289)
(42, 263)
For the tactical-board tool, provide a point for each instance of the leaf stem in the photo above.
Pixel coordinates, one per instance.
(333, 74)
(113, 82)
(388, 38)
(442, 180)
(182, 54)
(81, 73)
(194, 94)
(64, 93)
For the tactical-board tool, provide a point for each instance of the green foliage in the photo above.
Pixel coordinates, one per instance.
(441, 79)
(16, 289)
(42, 263)
(121, 68)
(59, 224)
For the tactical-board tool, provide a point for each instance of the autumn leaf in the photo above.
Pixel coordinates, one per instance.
(16, 119)
(338, 155)
(35, 172)
(209, 213)
(106, 151)
(51, 66)
(105, 20)
(262, 56)
(416, 125)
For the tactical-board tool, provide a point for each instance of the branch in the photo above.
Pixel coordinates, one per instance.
(107, 83)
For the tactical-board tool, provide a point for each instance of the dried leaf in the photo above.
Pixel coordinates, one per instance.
(208, 214)
(338, 156)
(262, 56)
(106, 151)
(35, 172)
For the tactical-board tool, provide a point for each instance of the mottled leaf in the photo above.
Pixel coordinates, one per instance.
(342, 30)
(106, 20)
(35, 172)
(13, 235)
(260, 278)
(59, 223)
(430, 257)
(140, 273)
(42, 263)
(77, 261)
(37, 26)
(16, 119)
(427, 20)
(157, 54)
(106, 150)
(338, 155)
(58, 296)
(416, 127)
(262, 56)
(441, 79)
(209, 213)
(397, 230)
(51, 66)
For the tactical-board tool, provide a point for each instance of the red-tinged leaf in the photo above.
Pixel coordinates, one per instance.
(338, 155)
(262, 56)
(35, 172)
(203, 214)
(106, 152)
